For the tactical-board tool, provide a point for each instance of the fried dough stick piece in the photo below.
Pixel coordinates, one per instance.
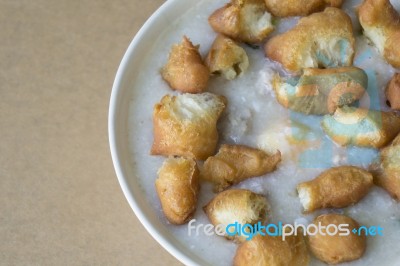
(235, 163)
(381, 24)
(178, 187)
(337, 187)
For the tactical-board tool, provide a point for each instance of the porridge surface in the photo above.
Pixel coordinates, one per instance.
(254, 117)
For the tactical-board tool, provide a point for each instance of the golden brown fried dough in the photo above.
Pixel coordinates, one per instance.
(381, 24)
(237, 205)
(388, 173)
(235, 163)
(337, 187)
(177, 187)
(322, 39)
(289, 8)
(336, 248)
(273, 251)
(361, 127)
(186, 125)
(227, 58)
(243, 20)
(185, 70)
(393, 92)
(321, 91)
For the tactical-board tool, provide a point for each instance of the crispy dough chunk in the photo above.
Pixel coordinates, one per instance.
(388, 173)
(235, 163)
(178, 187)
(381, 24)
(227, 58)
(237, 205)
(186, 125)
(336, 248)
(322, 39)
(289, 8)
(321, 91)
(393, 92)
(361, 127)
(185, 70)
(273, 251)
(243, 20)
(337, 187)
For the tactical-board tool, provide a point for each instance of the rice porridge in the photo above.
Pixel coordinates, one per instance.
(254, 118)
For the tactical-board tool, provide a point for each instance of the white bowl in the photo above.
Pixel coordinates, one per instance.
(118, 128)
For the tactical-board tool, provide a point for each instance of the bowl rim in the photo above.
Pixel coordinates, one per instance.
(115, 151)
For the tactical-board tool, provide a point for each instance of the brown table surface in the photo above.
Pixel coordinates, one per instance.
(60, 202)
